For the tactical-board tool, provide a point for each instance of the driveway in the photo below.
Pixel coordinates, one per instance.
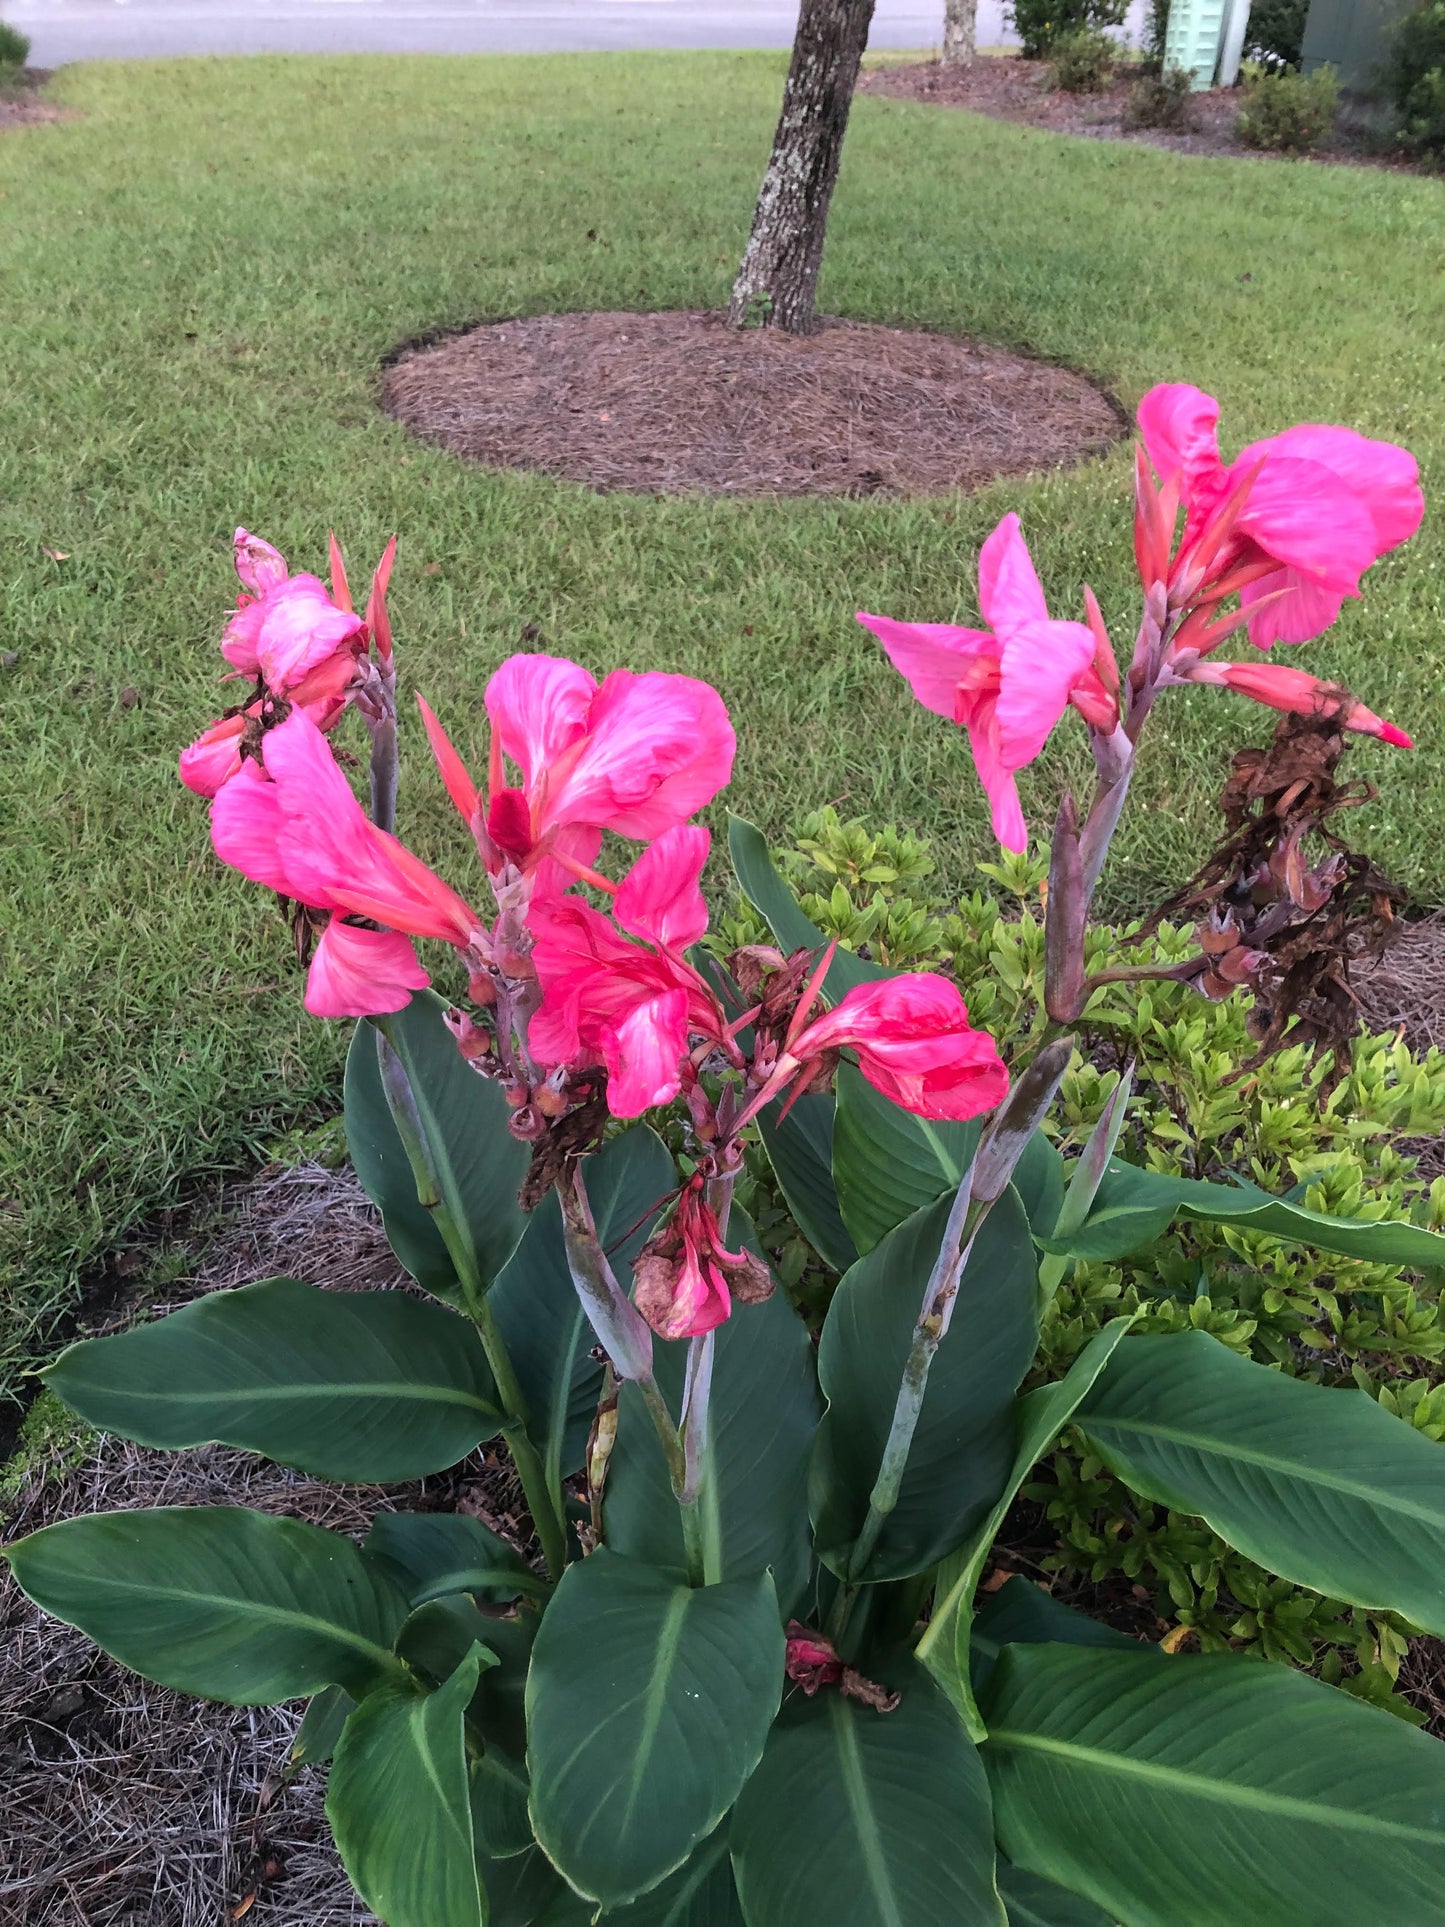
(64, 30)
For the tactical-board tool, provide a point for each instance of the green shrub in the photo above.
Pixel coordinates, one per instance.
(1160, 100)
(1415, 76)
(14, 46)
(1290, 113)
(1275, 36)
(1156, 30)
(1083, 61)
(1041, 24)
(1335, 1321)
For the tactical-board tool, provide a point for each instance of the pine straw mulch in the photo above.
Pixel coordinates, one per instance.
(1009, 87)
(126, 1805)
(681, 403)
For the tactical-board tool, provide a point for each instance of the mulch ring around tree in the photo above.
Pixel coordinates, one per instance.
(682, 403)
(1008, 87)
(20, 101)
(126, 1805)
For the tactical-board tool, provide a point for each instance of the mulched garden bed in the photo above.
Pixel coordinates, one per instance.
(1008, 87)
(668, 403)
(20, 102)
(126, 1805)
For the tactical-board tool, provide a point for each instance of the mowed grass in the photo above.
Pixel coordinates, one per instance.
(200, 274)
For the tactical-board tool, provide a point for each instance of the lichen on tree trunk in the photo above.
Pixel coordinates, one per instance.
(778, 280)
(959, 25)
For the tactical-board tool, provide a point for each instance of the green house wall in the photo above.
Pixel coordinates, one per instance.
(1352, 35)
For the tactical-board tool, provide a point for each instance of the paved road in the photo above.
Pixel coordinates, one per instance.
(64, 30)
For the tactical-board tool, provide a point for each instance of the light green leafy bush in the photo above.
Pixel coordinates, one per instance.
(1201, 1109)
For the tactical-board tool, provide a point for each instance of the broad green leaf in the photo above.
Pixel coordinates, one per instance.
(1212, 1790)
(1133, 1207)
(800, 1149)
(887, 1163)
(385, 1171)
(368, 1386)
(762, 1418)
(1323, 1487)
(463, 1119)
(431, 1554)
(699, 1894)
(437, 1637)
(865, 1818)
(500, 1821)
(1023, 1614)
(499, 1710)
(399, 1805)
(320, 1729)
(1041, 1416)
(221, 1601)
(1033, 1902)
(525, 1890)
(965, 1440)
(780, 910)
(537, 1309)
(648, 1704)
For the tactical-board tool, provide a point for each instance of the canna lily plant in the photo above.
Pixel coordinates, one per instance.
(748, 1671)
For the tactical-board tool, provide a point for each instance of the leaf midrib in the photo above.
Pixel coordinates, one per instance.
(669, 1640)
(1375, 1496)
(855, 1791)
(331, 1388)
(1222, 1792)
(276, 1615)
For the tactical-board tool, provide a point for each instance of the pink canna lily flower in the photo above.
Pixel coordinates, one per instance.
(293, 823)
(686, 1279)
(914, 1043)
(1008, 684)
(215, 756)
(1299, 693)
(629, 1001)
(1291, 524)
(637, 754)
(287, 629)
(357, 972)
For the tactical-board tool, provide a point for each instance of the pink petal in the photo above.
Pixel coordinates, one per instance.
(1382, 475)
(997, 778)
(460, 787)
(1040, 664)
(915, 1044)
(1304, 610)
(241, 638)
(643, 1053)
(660, 897)
(259, 566)
(1009, 592)
(701, 1300)
(932, 656)
(214, 757)
(657, 748)
(300, 628)
(246, 822)
(361, 973)
(1180, 429)
(538, 707)
(1307, 518)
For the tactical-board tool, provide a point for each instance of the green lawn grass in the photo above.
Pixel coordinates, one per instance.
(199, 276)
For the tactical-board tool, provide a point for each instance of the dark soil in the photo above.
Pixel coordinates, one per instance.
(658, 403)
(1009, 87)
(20, 102)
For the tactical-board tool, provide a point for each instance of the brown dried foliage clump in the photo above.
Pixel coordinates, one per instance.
(668, 403)
(1284, 905)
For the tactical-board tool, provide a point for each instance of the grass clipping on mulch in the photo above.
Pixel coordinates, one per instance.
(126, 1805)
(682, 403)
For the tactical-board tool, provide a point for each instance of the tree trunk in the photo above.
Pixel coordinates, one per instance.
(959, 17)
(778, 280)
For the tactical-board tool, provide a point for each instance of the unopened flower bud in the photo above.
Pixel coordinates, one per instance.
(551, 1098)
